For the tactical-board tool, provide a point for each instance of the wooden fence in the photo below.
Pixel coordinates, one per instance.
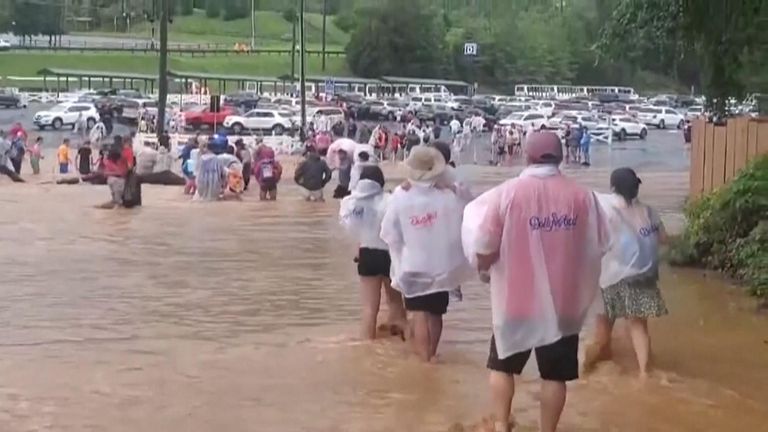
(719, 152)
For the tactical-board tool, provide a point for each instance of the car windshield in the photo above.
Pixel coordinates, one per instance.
(285, 114)
(626, 119)
(696, 109)
(515, 116)
(58, 108)
(570, 118)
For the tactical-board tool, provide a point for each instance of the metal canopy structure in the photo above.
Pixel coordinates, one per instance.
(241, 81)
(107, 78)
(424, 81)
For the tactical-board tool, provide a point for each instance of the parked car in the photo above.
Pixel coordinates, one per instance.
(130, 108)
(545, 107)
(9, 98)
(694, 112)
(583, 119)
(274, 120)
(5, 45)
(202, 116)
(245, 100)
(389, 110)
(660, 117)
(66, 114)
(440, 114)
(626, 126)
(334, 114)
(524, 119)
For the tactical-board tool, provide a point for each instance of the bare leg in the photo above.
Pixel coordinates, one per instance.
(641, 341)
(502, 392)
(600, 349)
(435, 332)
(421, 337)
(397, 315)
(262, 195)
(552, 404)
(273, 195)
(370, 296)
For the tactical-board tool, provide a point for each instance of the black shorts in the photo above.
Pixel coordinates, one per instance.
(373, 262)
(435, 303)
(557, 362)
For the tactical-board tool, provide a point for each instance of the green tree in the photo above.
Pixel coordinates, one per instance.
(398, 37)
(724, 35)
(186, 7)
(236, 9)
(212, 8)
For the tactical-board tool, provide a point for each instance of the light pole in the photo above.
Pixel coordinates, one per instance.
(302, 71)
(325, 19)
(162, 85)
(253, 23)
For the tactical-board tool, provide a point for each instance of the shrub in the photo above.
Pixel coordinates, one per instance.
(212, 8)
(728, 229)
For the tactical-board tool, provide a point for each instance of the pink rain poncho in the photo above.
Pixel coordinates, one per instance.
(550, 235)
(423, 230)
(634, 231)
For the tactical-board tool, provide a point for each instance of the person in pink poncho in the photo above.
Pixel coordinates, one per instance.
(540, 238)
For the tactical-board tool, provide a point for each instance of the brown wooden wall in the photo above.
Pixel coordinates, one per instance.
(718, 153)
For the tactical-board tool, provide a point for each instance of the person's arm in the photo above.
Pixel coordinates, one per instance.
(327, 174)
(299, 173)
(488, 242)
(659, 225)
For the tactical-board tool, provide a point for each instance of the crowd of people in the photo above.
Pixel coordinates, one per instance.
(544, 243)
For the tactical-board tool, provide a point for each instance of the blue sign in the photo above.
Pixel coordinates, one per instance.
(329, 87)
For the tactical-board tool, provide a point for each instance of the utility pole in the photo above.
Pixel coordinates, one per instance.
(293, 47)
(325, 18)
(162, 85)
(253, 23)
(302, 72)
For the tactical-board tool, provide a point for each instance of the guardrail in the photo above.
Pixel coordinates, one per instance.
(181, 50)
(281, 144)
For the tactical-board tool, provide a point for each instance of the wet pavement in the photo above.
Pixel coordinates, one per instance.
(242, 316)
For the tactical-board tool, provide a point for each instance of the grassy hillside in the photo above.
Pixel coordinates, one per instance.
(271, 30)
(27, 65)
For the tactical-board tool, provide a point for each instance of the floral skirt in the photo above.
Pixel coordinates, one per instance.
(634, 298)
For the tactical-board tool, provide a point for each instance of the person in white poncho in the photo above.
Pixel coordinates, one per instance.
(361, 214)
(630, 271)
(422, 228)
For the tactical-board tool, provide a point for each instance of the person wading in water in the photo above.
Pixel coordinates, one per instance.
(540, 239)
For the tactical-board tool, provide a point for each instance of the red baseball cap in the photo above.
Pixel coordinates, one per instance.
(543, 147)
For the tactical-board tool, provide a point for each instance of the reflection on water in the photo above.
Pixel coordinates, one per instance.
(241, 316)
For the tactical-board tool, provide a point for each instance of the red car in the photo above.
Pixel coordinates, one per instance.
(201, 116)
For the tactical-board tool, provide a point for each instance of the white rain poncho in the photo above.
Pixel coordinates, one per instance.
(634, 232)
(550, 235)
(361, 214)
(423, 230)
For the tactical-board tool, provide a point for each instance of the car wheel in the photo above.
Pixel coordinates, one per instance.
(681, 124)
(622, 135)
(542, 127)
(90, 123)
(57, 123)
(662, 125)
(18, 104)
(237, 128)
(643, 133)
(278, 129)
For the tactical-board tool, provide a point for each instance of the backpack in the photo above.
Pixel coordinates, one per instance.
(267, 170)
(17, 149)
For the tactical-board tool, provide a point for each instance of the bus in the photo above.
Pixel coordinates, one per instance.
(548, 91)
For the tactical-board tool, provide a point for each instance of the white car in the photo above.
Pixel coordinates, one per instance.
(544, 107)
(277, 121)
(333, 114)
(661, 117)
(66, 114)
(525, 119)
(583, 119)
(626, 126)
(694, 112)
(4, 44)
(390, 110)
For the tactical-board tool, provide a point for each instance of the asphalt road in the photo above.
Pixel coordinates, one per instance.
(663, 150)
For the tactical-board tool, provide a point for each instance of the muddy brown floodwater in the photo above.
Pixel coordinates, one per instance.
(239, 317)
